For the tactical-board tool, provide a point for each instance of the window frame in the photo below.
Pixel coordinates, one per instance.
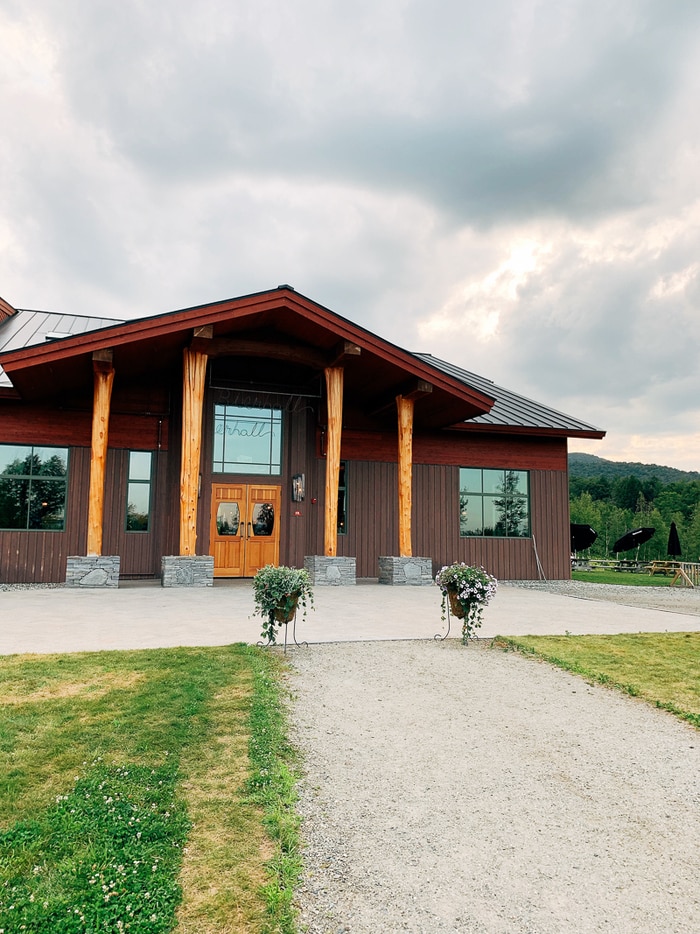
(220, 465)
(31, 479)
(488, 495)
(141, 482)
(343, 494)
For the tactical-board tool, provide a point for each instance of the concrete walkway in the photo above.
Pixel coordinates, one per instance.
(148, 616)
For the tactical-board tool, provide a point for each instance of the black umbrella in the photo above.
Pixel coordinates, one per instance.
(582, 536)
(674, 542)
(633, 539)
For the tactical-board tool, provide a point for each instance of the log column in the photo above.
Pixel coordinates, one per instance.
(405, 423)
(103, 371)
(194, 372)
(334, 393)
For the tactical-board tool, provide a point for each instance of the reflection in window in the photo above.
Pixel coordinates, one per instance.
(343, 499)
(138, 493)
(33, 487)
(263, 518)
(247, 440)
(494, 502)
(228, 519)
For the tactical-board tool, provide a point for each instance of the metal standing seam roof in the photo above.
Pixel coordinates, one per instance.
(510, 409)
(27, 328)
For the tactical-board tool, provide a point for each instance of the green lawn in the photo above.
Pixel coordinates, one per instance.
(621, 577)
(661, 668)
(144, 790)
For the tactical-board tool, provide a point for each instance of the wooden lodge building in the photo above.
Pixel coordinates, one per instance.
(265, 429)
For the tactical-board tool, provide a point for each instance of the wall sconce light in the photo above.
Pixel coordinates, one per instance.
(298, 484)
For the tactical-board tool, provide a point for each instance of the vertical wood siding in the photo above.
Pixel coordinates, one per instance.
(40, 557)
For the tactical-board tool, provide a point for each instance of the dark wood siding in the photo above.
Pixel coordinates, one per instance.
(140, 552)
(40, 557)
(464, 448)
(373, 522)
(74, 427)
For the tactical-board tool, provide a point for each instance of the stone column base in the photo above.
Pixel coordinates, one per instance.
(92, 571)
(415, 571)
(187, 571)
(331, 572)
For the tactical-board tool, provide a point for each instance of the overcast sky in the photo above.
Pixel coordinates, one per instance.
(512, 185)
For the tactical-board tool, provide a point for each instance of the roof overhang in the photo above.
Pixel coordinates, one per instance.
(536, 431)
(281, 320)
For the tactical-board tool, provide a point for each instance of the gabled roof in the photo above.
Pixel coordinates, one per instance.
(47, 352)
(511, 410)
(277, 322)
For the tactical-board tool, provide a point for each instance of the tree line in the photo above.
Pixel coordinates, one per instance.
(614, 506)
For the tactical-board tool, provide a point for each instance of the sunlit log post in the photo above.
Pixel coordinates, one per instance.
(194, 372)
(103, 378)
(334, 395)
(405, 424)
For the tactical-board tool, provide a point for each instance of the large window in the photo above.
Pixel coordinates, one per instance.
(33, 487)
(247, 440)
(138, 491)
(494, 502)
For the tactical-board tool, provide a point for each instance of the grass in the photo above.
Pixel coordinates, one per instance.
(145, 792)
(625, 578)
(661, 668)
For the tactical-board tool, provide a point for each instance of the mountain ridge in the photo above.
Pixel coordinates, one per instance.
(590, 465)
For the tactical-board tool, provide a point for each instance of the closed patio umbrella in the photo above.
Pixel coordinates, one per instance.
(674, 543)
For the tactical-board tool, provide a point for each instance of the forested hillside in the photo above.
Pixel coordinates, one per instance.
(616, 497)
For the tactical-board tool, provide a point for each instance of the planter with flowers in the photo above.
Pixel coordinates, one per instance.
(277, 592)
(467, 589)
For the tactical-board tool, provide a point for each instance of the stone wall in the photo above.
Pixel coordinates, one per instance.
(187, 571)
(331, 572)
(417, 572)
(92, 571)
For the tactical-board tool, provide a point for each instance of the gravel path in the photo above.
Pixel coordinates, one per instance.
(673, 599)
(471, 790)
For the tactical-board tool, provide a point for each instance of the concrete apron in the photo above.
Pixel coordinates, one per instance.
(148, 616)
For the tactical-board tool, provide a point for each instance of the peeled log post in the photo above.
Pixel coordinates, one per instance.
(194, 369)
(405, 422)
(334, 393)
(102, 394)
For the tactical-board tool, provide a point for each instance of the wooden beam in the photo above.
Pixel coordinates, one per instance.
(412, 390)
(342, 351)
(232, 347)
(334, 397)
(273, 350)
(194, 368)
(405, 423)
(103, 378)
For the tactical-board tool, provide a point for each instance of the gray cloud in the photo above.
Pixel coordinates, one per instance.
(511, 184)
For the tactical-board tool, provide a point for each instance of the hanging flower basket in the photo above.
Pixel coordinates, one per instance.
(456, 608)
(278, 591)
(287, 607)
(468, 590)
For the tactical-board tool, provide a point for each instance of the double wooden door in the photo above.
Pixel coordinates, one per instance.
(245, 528)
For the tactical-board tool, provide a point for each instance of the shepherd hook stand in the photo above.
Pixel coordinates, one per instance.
(438, 637)
(269, 642)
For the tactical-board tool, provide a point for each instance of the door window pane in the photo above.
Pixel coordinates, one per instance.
(263, 518)
(228, 519)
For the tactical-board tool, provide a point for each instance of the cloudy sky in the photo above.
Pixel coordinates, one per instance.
(512, 185)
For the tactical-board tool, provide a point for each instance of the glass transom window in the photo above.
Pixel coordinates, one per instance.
(247, 440)
(494, 502)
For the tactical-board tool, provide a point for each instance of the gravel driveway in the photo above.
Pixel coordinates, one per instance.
(472, 790)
